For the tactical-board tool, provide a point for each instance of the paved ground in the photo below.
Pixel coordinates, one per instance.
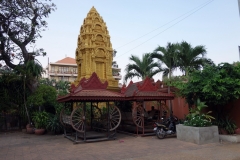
(18, 146)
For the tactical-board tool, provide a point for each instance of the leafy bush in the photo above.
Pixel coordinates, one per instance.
(40, 119)
(227, 124)
(198, 119)
(53, 124)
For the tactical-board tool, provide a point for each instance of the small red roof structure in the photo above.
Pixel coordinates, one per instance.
(144, 90)
(91, 89)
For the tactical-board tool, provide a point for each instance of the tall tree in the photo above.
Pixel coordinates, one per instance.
(21, 22)
(142, 68)
(168, 56)
(29, 74)
(190, 58)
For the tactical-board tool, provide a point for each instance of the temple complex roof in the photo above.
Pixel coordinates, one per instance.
(144, 90)
(93, 89)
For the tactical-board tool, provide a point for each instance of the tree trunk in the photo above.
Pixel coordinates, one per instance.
(170, 101)
(24, 99)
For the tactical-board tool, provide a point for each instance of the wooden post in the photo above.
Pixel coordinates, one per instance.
(108, 119)
(84, 112)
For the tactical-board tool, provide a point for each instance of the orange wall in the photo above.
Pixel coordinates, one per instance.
(179, 106)
(233, 110)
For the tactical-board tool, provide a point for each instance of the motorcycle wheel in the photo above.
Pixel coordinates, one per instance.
(160, 133)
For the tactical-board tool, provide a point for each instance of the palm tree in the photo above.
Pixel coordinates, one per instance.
(62, 87)
(190, 58)
(168, 56)
(142, 68)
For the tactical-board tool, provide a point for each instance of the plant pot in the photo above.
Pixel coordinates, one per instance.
(237, 131)
(198, 135)
(28, 126)
(39, 131)
(30, 130)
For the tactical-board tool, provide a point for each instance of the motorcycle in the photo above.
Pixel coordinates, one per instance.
(167, 127)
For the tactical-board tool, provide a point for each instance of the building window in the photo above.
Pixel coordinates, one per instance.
(63, 69)
(75, 70)
(52, 69)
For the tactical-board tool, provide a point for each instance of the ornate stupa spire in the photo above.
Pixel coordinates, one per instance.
(94, 51)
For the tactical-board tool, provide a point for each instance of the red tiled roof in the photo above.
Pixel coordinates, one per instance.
(152, 95)
(67, 60)
(93, 95)
(145, 90)
(93, 89)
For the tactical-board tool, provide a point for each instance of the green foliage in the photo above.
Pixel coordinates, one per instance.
(168, 56)
(62, 87)
(53, 124)
(198, 119)
(216, 85)
(191, 58)
(43, 96)
(21, 24)
(142, 68)
(40, 119)
(227, 124)
(10, 92)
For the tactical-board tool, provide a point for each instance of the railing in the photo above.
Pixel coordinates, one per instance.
(63, 72)
(9, 122)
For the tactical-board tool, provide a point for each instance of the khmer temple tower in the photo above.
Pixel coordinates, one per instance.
(94, 51)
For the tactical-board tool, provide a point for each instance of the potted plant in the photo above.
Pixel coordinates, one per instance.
(226, 125)
(230, 125)
(54, 125)
(29, 129)
(197, 127)
(40, 119)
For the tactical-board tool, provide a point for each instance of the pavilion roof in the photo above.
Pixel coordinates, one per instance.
(145, 90)
(93, 89)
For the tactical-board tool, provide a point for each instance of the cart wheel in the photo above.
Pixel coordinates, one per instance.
(138, 116)
(64, 117)
(114, 117)
(78, 118)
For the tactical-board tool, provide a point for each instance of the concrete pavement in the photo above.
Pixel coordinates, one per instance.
(22, 146)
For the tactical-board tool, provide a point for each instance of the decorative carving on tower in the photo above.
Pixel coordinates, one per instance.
(94, 51)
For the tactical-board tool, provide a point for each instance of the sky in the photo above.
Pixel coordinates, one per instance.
(139, 26)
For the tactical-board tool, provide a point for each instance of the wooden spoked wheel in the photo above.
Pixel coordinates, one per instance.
(114, 117)
(138, 116)
(65, 119)
(78, 118)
